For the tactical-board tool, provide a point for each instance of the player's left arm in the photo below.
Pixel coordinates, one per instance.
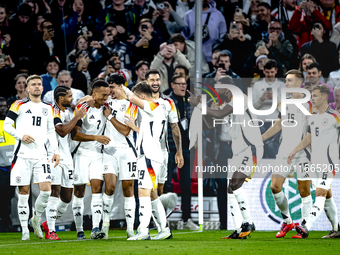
(52, 138)
(176, 134)
(133, 98)
(121, 128)
(303, 144)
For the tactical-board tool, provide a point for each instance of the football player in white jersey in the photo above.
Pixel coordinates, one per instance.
(119, 156)
(62, 175)
(247, 147)
(33, 127)
(88, 158)
(293, 131)
(322, 135)
(150, 157)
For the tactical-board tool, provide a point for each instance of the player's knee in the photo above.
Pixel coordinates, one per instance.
(234, 185)
(304, 192)
(110, 190)
(275, 188)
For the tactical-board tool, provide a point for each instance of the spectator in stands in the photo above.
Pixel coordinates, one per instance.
(45, 47)
(7, 47)
(80, 44)
(215, 26)
(165, 62)
(306, 60)
(20, 82)
(38, 31)
(81, 75)
(285, 11)
(334, 77)
(314, 73)
(147, 43)
(182, 71)
(335, 38)
(165, 11)
(178, 95)
(224, 62)
(103, 50)
(330, 10)
(213, 64)
(256, 70)
(3, 16)
(322, 49)
(78, 22)
(59, 9)
(124, 18)
(263, 19)
(278, 46)
(187, 47)
(6, 152)
(7, 73)
(23, 65)
(141, 68)
(336, 105)
(64, 78)
(238, 44)
(263, 100)
(49, 79)
(114, 66)
(141, 8)
(301, 25)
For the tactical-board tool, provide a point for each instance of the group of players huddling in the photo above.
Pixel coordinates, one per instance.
(309, 147)
(63, 153)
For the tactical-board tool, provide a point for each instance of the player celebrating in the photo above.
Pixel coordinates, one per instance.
(33, 127)
(150, 158)
(62, 175)
(119, 158)
(322, 134)
(88, 159)
(247, 147)
(293, 131)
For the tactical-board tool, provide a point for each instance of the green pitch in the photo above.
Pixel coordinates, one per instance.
(184, 242)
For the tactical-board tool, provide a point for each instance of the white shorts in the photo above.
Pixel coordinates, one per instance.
(246, 160)
(23, 169)
(163, 172)
(122, 164)
(148, 171)
(63, 174)
(324, 179)
(299, 165)
(87, 168)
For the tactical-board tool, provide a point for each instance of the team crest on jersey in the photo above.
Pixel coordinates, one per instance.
(163, 106)
(44, 111)
(18, 179)
(312, 123)
(324, 122)
(76, 177)
(123, 108)
(53, 178)
(106, 167)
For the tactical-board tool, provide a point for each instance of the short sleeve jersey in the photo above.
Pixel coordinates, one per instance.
(151, 131)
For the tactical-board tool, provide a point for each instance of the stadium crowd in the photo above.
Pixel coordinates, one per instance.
(255, 42)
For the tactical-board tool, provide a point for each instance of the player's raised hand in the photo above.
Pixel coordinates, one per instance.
(103, 139)
(107, 111)
(131, 122)
(194, 100)
(28, 139)
(290, 157)
(179, 159)
(80, 113)
(56, 159)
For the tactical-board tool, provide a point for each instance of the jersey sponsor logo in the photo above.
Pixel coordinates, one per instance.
(18, 179)
(290, 188)
(324, 122)
(92, 117)
(44, 111)
(28, 111)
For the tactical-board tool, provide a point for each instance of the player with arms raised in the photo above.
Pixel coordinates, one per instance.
(293, 131)
(33, 127)
(322, 135)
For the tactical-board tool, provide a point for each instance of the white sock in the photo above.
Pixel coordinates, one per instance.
(282, 203)
(97, 209)
(235, 212)
(144, 213)
(241, 198)
(159, 213)
(331, 212)
(107, 208)
(307, 203)
(78, 211)
(316, 211)
(61, 208)
(41, 203)
(23, 212)
(51, 213)
(130, 209)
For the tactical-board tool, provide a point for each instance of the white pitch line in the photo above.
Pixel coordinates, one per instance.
(68, 241)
